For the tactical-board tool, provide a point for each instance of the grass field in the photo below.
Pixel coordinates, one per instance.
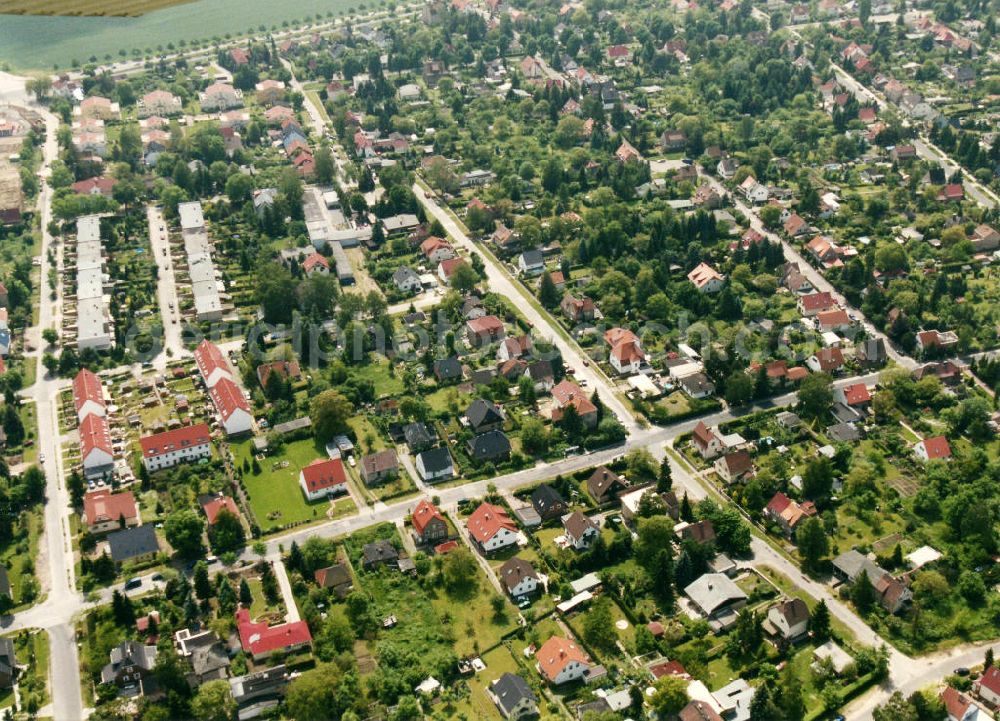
(41, 42)
(130, 8)
(275, 495)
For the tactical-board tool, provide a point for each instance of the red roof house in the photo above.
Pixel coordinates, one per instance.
(323, 478)
(217, 505)
(104, 510)
(491, 527)
(932, 449)
(261, 640)
(88, 394)
(211, 363)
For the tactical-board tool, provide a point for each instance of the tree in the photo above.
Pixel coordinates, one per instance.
(770, 215)
(812, 541)
(931, 587)
(121, 610)
(816, 394)
(183, 530)
(739, 388)
(202, 584)
(329, 412)
(534, 437)
(792, 702)
(897, 708)
(51, 336)
(863, 594)
(988, 658)
(548, 294)
(819, 624)
(246, 595)
(598, 626)
(275, 286)
(226, 533)
(459, 571)
(463, 278)
(323, 693)
(817, 479)
(213, 702)
(655, 534)
(239, 188)
(664, 479)
(324, 168)
(864, 11)
(669, 697)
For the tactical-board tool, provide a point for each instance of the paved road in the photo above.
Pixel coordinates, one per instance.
(62, 598)
(166, 288)
(500, 282)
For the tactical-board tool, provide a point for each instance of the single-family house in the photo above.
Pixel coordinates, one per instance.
(491, 528)
(435, 465)
(429, 525)
(560, 661)
(932, 449)
(518, 577)
(323, 478)
(604, 485)
(789, 618)
(579, 530)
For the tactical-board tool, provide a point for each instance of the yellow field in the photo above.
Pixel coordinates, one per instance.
(102, 8)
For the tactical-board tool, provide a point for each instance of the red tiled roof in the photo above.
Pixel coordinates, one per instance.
(450, 266)
(937, 447)
(259, 638)
(285, 369)
(991, 679)
(857, 393)
(423, 514)
(485, 324)
(228, 398)
(703, 434)
(816, 301)
(209, 359)
(216, 505)
(433, 243)
(94, 435)
(568, 393)
(487, 520)
(87, 387)
(313, 260)
(86, 187)
(322, 474)
(103, 506)
(834, 318)
(160, 444)
(779, 503)
(669, 668)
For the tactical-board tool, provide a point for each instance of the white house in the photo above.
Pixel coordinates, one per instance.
(518, 577)
(790, 618)
(561, 661)
(323, 478)
(434, 465)
(231, 404)
(96, 450)
(88, 395)
(180, 445)
(531, 262)
(491, 528)
(579, 530)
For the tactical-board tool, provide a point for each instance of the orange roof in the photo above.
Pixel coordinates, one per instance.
(322, 474)
(314, 260)
(487, 521)
(834, 318)
(433, 243)
(568, 393)
(556, 653)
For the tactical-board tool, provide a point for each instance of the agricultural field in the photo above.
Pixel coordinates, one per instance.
(68, 38)
(85, 8)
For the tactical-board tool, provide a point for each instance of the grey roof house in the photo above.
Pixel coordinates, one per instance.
(133, 544)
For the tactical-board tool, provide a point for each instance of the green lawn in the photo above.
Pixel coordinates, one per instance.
(378, 372)
(275, 495)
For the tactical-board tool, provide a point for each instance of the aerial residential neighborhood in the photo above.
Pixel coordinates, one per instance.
(500, 359)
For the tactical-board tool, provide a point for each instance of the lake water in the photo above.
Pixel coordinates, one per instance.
(42, 42)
